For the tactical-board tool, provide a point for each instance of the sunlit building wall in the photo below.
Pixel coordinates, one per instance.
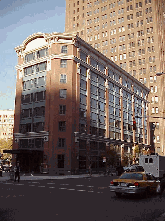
(131, 33)
(73, 103)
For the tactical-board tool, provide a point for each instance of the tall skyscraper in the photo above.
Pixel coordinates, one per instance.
(131, 33)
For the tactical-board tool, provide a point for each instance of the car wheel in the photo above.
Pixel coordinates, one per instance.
(118, 194)
(158, 189)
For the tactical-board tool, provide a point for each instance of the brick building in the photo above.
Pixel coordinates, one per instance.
(131, 33)
(6, 124)
(72, 103)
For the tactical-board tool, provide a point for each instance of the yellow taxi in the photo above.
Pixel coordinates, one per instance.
(135, 183)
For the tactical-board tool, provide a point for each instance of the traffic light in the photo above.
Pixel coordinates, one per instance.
(134, 124)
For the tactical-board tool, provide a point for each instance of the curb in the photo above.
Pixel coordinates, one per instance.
(25, 178)
(161, 218)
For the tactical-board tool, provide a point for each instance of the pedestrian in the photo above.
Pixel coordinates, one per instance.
(90, 170)
(17, 172)
(119, 170)
(162, 185)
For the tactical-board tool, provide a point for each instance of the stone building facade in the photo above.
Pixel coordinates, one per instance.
(72, 104)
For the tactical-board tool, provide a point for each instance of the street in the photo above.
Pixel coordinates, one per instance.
(73, 199)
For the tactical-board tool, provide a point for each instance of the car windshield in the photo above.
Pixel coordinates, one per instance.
(135, 176)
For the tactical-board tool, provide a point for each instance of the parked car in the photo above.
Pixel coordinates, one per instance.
(135, 183)
(134, 168)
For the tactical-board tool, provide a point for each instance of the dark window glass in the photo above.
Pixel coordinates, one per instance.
(61, 142)
(146, 160)
(64, 49)
(62, 126)
(135, 176)
(63, 63)
(60, 160)
(62, 109)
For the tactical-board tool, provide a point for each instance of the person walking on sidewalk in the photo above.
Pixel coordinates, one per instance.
(90, 170)
(17, 172)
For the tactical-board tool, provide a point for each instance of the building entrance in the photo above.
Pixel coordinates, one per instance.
(30, 161)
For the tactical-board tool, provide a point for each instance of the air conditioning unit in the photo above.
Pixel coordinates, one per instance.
(76, 139)
(46, 138)
(16, 140)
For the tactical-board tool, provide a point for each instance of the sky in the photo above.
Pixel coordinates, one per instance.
(18, 20)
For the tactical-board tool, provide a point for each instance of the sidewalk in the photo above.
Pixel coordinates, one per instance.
(48, 177)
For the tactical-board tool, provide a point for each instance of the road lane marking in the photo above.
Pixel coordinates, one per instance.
(35, 182)
(31, 185)
(91, 191)
(19, 184)
(79, 185)
(64, 184)
(70, 189)
(62, 188)
(81, 190)
(8, 183)
(41, 186)
(90, 186)
(50, 183)
(51, 187)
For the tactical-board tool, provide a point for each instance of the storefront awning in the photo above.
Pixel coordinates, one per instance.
(18, 151)
(11, 151)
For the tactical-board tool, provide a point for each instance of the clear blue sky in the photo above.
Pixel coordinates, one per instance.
(18, 20)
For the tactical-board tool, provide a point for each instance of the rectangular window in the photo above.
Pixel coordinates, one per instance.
(61, 142)
(153, 110)
(63, 63)
(62, 126)
(64, 49)
(151, 79)
(62, 109)
(63, 78)
(60, 160)
(156, 99)
(63, 93)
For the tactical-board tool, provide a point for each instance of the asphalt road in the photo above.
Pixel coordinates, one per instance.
(75, 200)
